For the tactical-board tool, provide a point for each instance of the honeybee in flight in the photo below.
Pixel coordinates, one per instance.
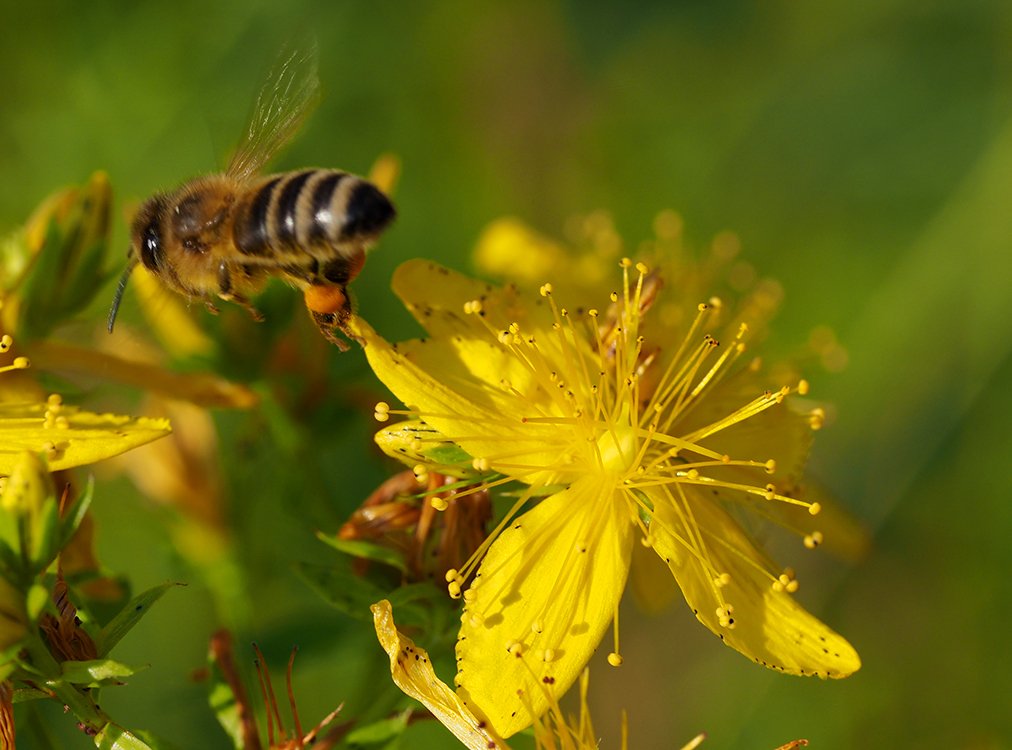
(225, 234)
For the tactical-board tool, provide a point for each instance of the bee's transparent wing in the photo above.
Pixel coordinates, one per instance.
(291, 92)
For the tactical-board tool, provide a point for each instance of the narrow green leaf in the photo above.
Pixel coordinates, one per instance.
(364, 550)
(379, 731)
(130, 615)
(223, 702)
(36, 601)
(95, 671)
(76, 512)
(113, 737)
(342, 589)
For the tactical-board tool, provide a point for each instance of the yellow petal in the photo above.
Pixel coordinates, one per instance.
(650, 581)
(168, 317)
(541, 602)
(83, 438)
(436, 296)
(770, 627)
(779, 432)
(202, 389)
(412, 672)
(478, 416)
(511, 249)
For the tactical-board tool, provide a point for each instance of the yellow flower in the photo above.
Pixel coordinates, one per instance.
(66, 435)
(622, 433)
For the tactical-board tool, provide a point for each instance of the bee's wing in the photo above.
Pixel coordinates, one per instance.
(290, 93)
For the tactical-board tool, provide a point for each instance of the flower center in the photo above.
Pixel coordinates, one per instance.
(617, 449)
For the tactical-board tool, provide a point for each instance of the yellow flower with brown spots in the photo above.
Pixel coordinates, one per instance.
(619, 430)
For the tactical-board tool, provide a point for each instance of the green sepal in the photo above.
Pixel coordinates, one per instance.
(129, 616)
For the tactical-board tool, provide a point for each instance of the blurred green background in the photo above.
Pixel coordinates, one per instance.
(862, 152)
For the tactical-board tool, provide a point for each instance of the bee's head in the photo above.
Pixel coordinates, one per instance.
(147, 233)
(146, 246)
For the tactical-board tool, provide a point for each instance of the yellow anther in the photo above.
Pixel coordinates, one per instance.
(545, 290)
(615, 659)
(802, 387)
(21, 363)
(642, 268)
(54, 401)
(771, 466)
(592, 312)
(613, 296)
(480, 464)
(537, 626)
(771, 492)
(6, 342)
(813, 540)
(439, 503)
(725, 616)
(722, 580)
(702, 307)
(816, 418)
(469, 595)
(715, 302)
(625, 263)
(381, 413)
(452, 575)
(814, 509)
(454, 588)
(515, 648)
(548, 655)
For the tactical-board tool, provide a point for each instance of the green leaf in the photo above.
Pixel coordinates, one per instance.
(342, 589)
(36, 601)
(76, 512)
(365, 550)
(226, 709)
(96, 671)
(379, 731)
(113, 737)
(130, 615)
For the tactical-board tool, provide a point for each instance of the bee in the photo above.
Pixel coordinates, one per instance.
(224, 235)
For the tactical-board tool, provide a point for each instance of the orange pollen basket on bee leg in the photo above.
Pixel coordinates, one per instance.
(325, 298)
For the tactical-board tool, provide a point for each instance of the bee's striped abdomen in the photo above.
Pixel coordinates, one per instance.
(310, 213)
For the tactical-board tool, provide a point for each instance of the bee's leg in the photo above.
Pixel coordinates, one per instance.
(328, 326)
(330, 309)
(226, 293)
(211, 307)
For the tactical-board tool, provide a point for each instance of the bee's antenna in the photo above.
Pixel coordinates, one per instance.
(120, 289)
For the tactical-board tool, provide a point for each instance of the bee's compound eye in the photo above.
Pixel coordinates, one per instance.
(151, 245)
